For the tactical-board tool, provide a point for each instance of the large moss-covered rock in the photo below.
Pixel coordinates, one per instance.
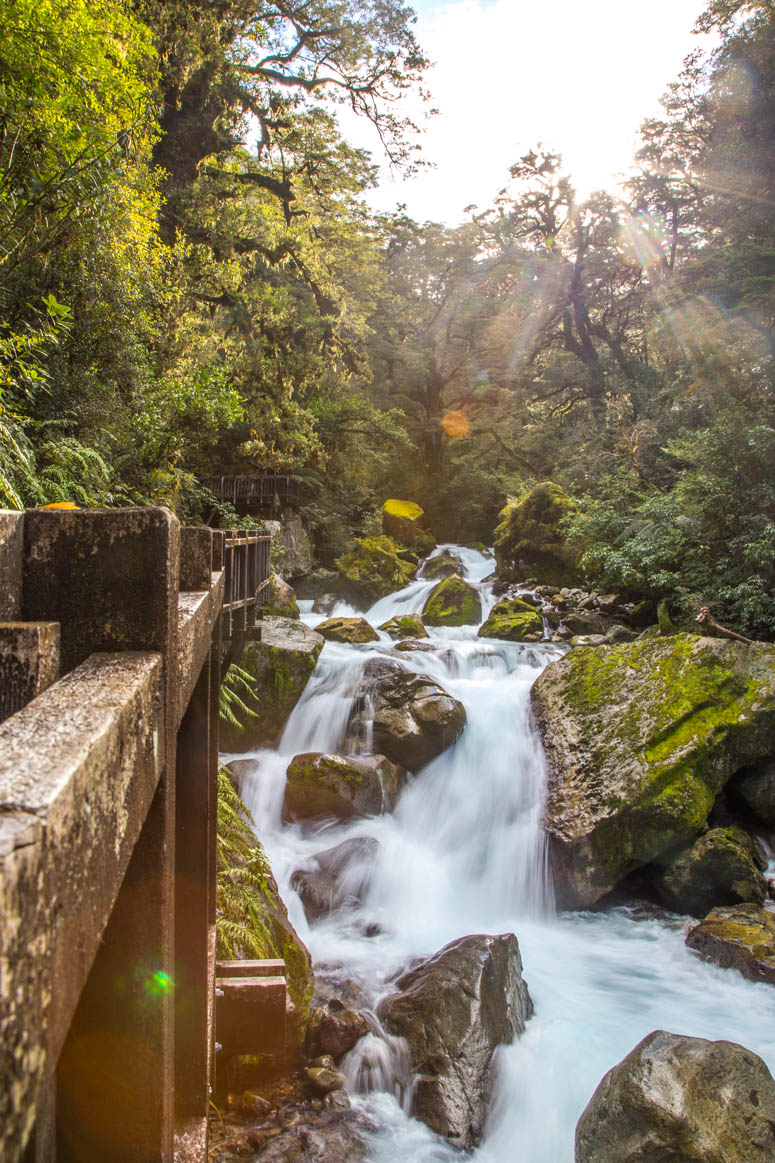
(741, 937)
(640, 738)
(372, 569)
(291, 545)
(405, 626)
(723, 867)
(280, 666)
(347, 630)
(514, 620)
(280, 599)
(681, 1100)
(341, 786)
(454, 1010)
(402, 520)
(530, 540)
(453, 602)
(408, 716)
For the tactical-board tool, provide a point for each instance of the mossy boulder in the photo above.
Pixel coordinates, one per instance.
(280, 666)
(530, 540)
(402, 520)
(405, 626)
(443, 565)
(514, 620)
(347, 630)
(342, 786)
(723, 867)
(741, 937)
(453, 602)
(681, 1100)
(640, 738)
(280, 600)
(372, 569)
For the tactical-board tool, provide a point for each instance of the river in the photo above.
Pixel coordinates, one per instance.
(464, 853)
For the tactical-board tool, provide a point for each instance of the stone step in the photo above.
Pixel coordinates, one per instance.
(270, 967)
(250, 1014)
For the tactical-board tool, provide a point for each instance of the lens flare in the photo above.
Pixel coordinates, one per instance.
(159, 984)
(455, 424)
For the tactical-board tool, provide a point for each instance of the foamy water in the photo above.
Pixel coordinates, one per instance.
(464, 853)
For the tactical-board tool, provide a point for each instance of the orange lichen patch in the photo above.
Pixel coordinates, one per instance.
(60, 505)
(455, 424)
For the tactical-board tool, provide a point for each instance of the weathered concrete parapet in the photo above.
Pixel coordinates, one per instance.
(29, 662)
(70, 814)
(11, 553)
(108, 576)
(196, 557)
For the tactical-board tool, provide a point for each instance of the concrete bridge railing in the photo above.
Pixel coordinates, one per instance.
(110, 653)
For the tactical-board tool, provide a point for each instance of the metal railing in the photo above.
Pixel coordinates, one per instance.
(259, 491)
(247, 569)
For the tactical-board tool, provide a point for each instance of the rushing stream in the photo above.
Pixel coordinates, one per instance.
(463, 853)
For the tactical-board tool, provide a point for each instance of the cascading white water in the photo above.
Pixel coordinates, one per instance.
(463, 853)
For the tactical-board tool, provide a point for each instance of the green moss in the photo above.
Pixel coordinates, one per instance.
(453, 603)
(407, 510)
(655, 729)
(514, 620)
(373, 567)
(530, 539)
(405, 626)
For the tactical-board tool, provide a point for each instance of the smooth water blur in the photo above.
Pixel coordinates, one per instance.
(464, 853)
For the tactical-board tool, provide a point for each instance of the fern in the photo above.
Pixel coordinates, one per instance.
(243, 874)
(75, 472)
(230, 701)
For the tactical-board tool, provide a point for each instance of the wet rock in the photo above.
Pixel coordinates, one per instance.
(757, 791)
(454, 1010)
(413, 719)
(347, 630)
(325, 603)
(443, 565)
(741, 937)
(515, 620)
(723, 867)
(453, 603)
(281, 599)
(335, 1028)
(677, 1100)
(619, 633)
(372, 569)
(280, 666)
(405, 626)
(640, 738)
(341, 786)
(339, 877)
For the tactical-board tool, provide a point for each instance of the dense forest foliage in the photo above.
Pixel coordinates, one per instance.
(191, 282)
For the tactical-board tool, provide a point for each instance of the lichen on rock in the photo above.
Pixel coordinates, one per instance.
(740, 937)
(640, 738)
(353, 630)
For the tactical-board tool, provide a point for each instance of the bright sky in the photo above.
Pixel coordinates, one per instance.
(578, 75)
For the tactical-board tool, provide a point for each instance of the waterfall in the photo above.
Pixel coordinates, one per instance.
(464, 853)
